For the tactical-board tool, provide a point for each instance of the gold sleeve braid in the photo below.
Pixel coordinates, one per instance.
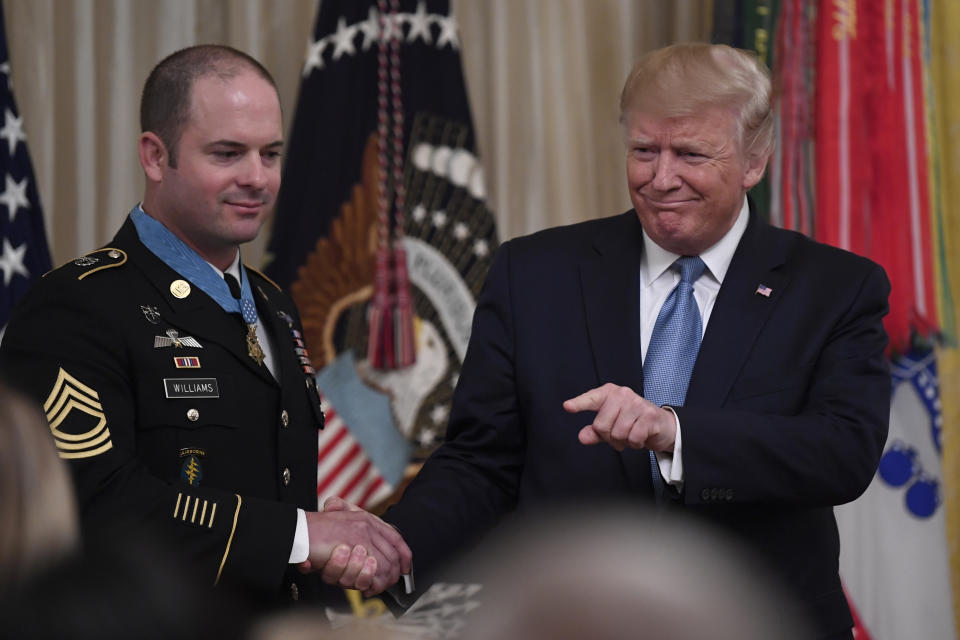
(233, 529)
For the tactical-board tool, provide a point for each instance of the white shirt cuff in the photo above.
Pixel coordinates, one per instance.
(301, 540)
(671, 463)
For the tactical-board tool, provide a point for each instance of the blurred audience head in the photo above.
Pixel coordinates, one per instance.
(314, 624)
(619, 575)
(38, 514)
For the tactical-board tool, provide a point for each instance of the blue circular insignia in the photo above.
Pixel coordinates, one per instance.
(923, 497)
(898, 464)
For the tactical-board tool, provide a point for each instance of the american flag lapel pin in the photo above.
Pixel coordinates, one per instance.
(764, 290)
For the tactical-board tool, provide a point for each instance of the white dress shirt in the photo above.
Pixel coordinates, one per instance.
(657, 280)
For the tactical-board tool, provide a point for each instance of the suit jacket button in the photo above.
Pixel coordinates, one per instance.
(705, 495)
(286, 476)
(193, 415)
(294, 591)
(284, 418)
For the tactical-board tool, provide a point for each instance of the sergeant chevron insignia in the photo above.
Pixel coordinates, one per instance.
(173, 339)
(76, 436)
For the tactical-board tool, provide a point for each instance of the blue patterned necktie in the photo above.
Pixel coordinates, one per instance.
(673, 349)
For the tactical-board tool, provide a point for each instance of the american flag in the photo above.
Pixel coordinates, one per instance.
(344, 469)
(24, 256)
(764, 290)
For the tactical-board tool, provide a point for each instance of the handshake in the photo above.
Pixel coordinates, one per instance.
(355, 549)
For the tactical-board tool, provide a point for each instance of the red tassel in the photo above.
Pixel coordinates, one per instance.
(391, 342)
(403, 310)
(379, 312)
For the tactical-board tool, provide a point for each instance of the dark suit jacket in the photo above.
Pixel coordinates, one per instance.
(232, 516)
(786, 413)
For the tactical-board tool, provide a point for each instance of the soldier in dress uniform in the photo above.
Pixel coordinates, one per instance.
(174, 378)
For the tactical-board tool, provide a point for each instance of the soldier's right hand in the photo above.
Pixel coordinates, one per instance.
(355, 549)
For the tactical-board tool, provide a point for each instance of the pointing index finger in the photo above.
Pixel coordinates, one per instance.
(586, 401)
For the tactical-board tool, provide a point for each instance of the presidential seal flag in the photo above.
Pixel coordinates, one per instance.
(24, 256)
(382, 233)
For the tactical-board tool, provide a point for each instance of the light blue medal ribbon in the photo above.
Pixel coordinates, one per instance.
(185, 261)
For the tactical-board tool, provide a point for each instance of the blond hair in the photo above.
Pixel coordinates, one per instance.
(38, 514)
(684, 79)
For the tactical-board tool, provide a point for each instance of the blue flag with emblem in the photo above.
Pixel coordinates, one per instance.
(383, 201)
(24, 255)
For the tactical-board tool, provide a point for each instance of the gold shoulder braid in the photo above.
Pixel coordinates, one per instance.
(116, 257)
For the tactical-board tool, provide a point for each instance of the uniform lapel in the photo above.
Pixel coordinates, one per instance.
(196, 315)
(284, 357)
(739, 314)
(609, 281)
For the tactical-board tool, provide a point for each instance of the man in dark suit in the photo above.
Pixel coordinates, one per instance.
(174, 378)
(720, 365)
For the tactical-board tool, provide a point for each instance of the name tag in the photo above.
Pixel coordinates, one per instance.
(191, 387)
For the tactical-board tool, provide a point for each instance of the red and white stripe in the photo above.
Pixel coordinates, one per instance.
(343, 469)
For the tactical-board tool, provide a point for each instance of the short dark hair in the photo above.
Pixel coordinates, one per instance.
(165, 101)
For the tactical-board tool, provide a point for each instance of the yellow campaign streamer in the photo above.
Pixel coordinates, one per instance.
(945, 78)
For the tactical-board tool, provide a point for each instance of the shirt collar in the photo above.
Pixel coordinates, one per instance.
(656, 259)
(233, 269)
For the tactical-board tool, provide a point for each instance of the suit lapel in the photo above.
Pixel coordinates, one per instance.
(196, 315)
(610, 283)
(739, 314)
(609, 280)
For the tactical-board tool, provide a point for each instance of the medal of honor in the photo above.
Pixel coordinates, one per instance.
(253, 345)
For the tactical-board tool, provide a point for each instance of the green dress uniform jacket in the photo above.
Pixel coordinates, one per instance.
(168, 424)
